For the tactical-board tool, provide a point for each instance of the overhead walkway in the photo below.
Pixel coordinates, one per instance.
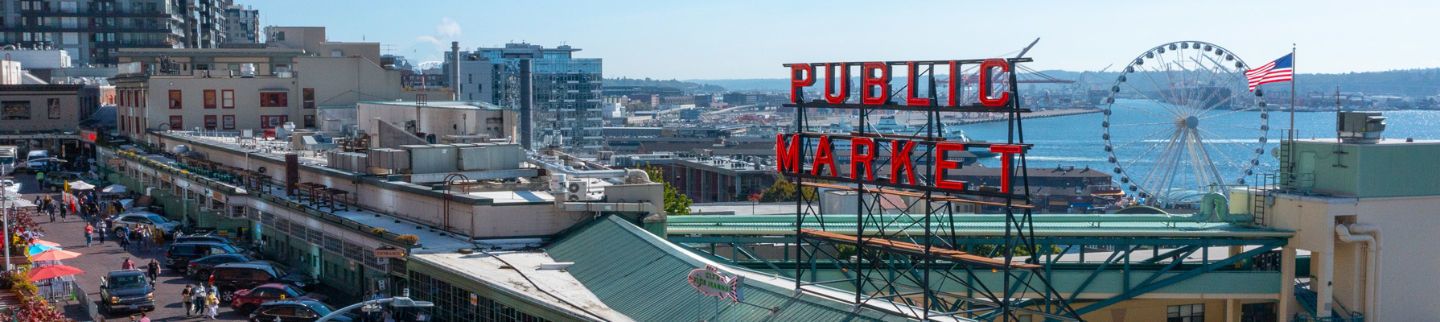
(1094, 260)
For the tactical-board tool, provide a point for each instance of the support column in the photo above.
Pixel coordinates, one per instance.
(1324, 295)
(1287, 283)
(1230, 314)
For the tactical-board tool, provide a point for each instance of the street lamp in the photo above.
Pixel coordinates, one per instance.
(399, 302)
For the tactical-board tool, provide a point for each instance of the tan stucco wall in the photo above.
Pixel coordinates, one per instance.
(69, 112)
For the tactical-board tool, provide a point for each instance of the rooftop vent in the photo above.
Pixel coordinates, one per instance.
(1360, 127)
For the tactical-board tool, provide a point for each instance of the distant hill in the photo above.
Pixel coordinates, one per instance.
(1409, 82)
(687, 86)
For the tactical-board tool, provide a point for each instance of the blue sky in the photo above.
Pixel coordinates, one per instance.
(750, 39)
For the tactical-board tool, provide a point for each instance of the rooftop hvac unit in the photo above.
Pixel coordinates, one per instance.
(1360, 127)
(247, 70)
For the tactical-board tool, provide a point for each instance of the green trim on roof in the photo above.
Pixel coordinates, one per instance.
(643, 276)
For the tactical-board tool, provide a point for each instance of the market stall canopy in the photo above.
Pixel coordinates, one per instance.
(81, 185)
(55, 255)
(114, 188)
(37, 248)
(53, 271)
(44, 242)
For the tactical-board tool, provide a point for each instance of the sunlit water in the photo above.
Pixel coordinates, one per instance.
(1076, 140)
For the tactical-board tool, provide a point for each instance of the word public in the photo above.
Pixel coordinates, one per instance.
(864, 155)
(875, 81)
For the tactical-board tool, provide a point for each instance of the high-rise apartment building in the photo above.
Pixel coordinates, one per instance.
(93, 31)
(242, 25)
(557, 95)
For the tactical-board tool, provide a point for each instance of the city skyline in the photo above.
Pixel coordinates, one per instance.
(667, 40)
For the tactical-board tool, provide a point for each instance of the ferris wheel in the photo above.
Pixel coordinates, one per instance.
(1180, 122)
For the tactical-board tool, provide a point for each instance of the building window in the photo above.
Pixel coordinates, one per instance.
(273, 121)
(309, 121)
(307, 96)
(227, 122)
(209, 98)
(52, 108)
(175, 99)
(274, 99)
(227, 98)
(177, 122)
(210, 122)
(15, 110)
(1186, 313)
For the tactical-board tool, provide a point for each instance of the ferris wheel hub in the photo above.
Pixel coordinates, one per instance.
(1191, 122)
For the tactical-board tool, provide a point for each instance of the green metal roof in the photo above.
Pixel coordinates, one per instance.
(644, 276)
(973, 225)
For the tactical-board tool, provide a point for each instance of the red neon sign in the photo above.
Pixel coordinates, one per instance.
(875, 81)
(896, 159)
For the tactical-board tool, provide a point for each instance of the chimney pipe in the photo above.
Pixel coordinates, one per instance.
(455, 69)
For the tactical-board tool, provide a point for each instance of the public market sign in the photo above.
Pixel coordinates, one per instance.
(710, 281)
(809, 154)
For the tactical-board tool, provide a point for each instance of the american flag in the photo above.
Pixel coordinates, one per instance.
(1280, 70)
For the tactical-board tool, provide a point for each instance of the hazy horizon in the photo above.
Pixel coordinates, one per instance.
(751, 39)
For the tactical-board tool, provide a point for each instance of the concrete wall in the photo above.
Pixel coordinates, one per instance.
(65, 115)
(247, 109)
(1216, 310)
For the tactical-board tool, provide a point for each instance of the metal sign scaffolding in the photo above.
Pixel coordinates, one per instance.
(903, 248)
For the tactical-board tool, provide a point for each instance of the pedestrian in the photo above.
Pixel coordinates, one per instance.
(127, 264)
(143, 240)
(213, 304)
(144, 317)
(159, 236)
(64, 208)
(153, 269)
(197, 299)
(185, 298)
(103, 231)
(89, 231)
(124, 238)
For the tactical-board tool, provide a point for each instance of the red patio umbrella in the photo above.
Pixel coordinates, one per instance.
(54, 271)
(54, 255)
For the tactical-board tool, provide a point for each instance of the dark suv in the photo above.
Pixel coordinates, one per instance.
(126, 290)
(244, 276)
(178, 256)
(200, 267)
(303, 310)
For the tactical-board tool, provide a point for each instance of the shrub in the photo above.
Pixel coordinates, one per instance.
(409, 239)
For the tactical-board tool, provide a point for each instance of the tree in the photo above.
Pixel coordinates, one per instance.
(783, 190)
(676, 203)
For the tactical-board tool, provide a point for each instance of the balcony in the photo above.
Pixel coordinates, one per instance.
(89, 28)
(95, 13)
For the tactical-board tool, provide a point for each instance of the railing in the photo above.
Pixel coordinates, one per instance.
(84, 299)
(265, 189)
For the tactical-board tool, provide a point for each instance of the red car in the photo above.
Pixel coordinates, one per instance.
(248, 300)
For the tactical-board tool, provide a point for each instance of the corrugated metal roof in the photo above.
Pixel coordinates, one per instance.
(643, 276)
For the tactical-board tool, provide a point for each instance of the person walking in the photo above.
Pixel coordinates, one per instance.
(159, 236)
(64, 209)
(89, 232)
(127, 264)
(185, 299)
(153, 271)
(212, 305)
(103, 230)
(142, 241)
(124, 236)
(197, 299)
(144, 317)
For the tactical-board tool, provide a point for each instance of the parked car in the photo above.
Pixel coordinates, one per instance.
(248, 300)
(202, 238)
(294, 311)
(178, 256)
(295, 277)
(126, 290)
(143, 219)
(200, 267)
(241, 276)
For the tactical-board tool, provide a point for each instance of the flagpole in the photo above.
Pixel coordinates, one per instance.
(1290, 164)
